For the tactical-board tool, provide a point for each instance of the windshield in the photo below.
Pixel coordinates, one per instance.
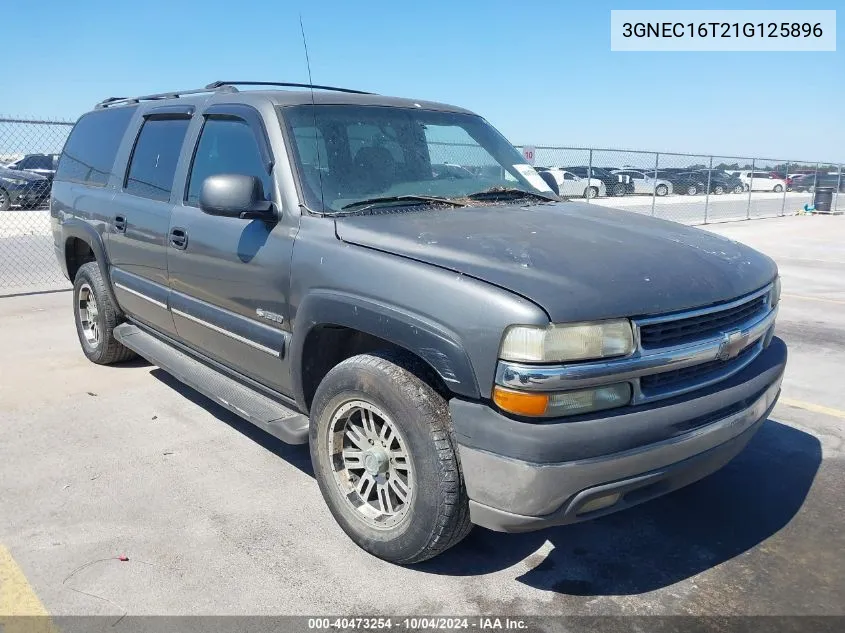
(351, 154)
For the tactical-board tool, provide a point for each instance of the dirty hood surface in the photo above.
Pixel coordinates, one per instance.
(576, 261)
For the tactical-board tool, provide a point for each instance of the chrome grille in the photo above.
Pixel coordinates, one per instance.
(671, 332)
(657, 384)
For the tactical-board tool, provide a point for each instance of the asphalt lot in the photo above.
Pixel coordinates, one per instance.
(219, 518)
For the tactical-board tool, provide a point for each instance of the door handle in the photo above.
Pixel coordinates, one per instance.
(120, 224)
(178, 238)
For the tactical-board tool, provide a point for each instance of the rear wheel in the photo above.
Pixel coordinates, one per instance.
(5, 200)
(692, 190)
(591, 192)
(739, 189)
(718, 190)
(96, 317)
(386, 460)
(661, 190)
(618, 189)
(778, 188)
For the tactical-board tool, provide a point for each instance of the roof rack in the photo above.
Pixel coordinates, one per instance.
(220, 84)
(112, 101)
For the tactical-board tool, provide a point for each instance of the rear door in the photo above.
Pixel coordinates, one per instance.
(141, 217)
(229, 277)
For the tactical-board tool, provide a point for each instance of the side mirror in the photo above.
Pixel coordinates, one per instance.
(236, 196)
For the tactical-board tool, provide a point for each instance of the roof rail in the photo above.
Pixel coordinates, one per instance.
(221, 84)
(112, 101)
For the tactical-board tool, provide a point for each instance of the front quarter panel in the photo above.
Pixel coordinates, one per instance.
(452, 321)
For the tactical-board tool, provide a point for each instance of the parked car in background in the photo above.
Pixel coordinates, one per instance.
(569, 185)
(720, 181)
(23, 189)
(615, 185)
(809, 182)
(761, 181)
(646, 183)
(684, 182)
(42, 164)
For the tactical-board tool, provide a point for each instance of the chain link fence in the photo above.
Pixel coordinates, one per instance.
(687, 188)
(29, 149)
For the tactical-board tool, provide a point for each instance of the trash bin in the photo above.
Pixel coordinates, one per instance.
(823, 198)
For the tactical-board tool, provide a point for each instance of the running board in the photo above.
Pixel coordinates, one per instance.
(267, 414)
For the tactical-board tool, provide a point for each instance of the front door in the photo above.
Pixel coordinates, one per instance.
(229, 277)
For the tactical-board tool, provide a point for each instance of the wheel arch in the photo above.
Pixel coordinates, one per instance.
(332, 326)
(76, 236)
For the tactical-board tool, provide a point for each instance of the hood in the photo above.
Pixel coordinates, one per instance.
(576, 261)
(19, 174)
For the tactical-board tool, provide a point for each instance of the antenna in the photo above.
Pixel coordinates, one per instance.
(314, 112)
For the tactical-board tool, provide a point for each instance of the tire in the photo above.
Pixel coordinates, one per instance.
(661, 190)
(739, 189)
(618, 190)
(96, 331)
(392, 390)
(778, 188)
(718, 190)
(5, 200)
(691, 190)
(591, 192)
(811, 189)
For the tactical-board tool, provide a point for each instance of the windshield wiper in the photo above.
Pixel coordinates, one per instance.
(507, 193)
(363, 205)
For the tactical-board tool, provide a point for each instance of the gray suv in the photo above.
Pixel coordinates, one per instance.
(456, 345)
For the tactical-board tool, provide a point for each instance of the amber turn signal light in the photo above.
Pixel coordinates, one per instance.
(519, 402)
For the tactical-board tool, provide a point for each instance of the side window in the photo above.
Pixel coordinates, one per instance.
(226, 146)
(90, 150)
(153, 163)
(636, 175)
(568, 176)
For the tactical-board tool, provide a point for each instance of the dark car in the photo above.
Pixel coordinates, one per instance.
(685, 182)
(809, 182)
(720, 181)
(41, 164)
(456, 351)
(23, 189)
(615, 185)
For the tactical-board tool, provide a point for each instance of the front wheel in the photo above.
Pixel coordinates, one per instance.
(718, 190)
(778, 188)
(618, 190)
(692, 190)
(5, 200)
(386, 460)
(739, 189)
(591, 192)
(662, 190)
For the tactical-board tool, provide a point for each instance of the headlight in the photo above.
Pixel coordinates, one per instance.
(776, 292)
(14, 181)
(567, 342)
(559, 404)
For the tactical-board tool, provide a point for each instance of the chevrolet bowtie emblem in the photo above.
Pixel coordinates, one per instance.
(732, 344)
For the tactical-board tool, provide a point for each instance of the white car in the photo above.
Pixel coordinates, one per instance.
(571, 186)
(761, 181)
(645, 183)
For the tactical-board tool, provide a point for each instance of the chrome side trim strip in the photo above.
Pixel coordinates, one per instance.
(140, 295)
(231, 335)
(573, 376)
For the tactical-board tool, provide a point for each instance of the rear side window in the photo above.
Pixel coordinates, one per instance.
(89, 153)
(153, 164)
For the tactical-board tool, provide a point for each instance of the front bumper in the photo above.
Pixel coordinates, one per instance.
(524, 476)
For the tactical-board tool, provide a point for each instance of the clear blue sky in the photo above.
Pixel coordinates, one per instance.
(542, 72)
